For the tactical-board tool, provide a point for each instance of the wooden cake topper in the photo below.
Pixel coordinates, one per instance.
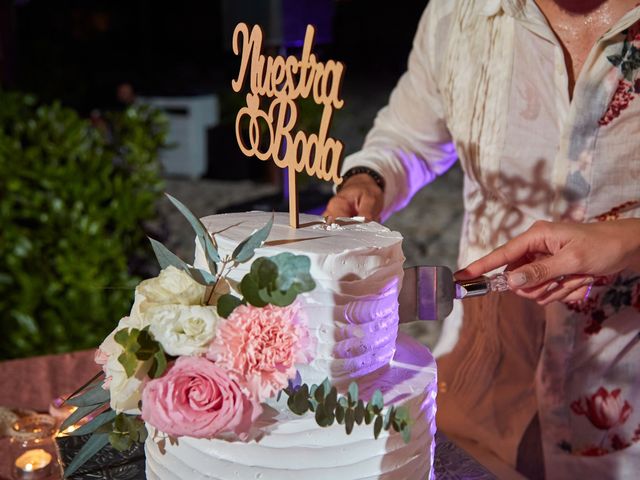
(284, 80)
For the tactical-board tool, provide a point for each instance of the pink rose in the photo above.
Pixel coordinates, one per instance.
(195, 397)
(604, 409)
(259, 347)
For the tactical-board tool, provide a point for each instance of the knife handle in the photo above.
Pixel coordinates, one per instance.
(482, 285)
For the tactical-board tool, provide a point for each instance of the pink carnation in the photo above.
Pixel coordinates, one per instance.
(259, 347)
(197, 398)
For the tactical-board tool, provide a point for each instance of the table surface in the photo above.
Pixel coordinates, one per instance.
(32, 383)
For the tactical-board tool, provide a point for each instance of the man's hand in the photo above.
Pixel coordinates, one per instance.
(360, 195)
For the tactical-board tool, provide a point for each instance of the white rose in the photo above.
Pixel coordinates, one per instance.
(172, 286)
(124, 392)
(183, 330)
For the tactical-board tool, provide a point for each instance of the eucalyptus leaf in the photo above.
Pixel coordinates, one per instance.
(359, 411)
(293, 271)
(226, 304)
(79, 414)
(389, 417)
(349, 420)
(377, 427)
(377, 401)
(340, 414)
(251, 291)
(368, 415)
(246, 249)
(95, 396)
(301, 400)
(322, 416)
(292, 405)
(300, 403)
(278, 298)
(402, 414)
(200, 230)
(353, 393)
(406, 433)
(318, 394)
(86, 384)
(88, 450)
(166, 258)
(90, 427)
(326, 387)
(202, 276)
(331, 400)
(266, 272)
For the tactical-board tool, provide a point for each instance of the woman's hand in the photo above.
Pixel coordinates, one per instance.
(559, 261)
(360, 195)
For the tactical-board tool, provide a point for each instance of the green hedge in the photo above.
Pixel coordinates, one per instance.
(73, 199)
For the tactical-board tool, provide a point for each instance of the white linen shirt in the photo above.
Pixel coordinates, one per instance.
(487, 84)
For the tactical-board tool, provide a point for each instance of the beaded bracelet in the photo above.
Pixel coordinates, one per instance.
(358, 170)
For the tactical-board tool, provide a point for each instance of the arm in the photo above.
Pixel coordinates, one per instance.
(409, 144)
(570, 256)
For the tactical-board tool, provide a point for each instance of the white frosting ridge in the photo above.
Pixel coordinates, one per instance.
(353, 311)
(288, 446)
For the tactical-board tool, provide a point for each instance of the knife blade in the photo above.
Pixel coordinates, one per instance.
(428, 291)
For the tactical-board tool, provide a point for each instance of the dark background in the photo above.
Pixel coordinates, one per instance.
(78, 51)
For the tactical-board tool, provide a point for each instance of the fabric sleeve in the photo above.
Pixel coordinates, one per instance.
(410, 144)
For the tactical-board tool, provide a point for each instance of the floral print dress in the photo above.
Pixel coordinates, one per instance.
(487, 85)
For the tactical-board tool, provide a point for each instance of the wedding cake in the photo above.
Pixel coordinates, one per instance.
(352, 319)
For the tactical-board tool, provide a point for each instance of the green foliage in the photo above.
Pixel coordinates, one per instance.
(226, 304)
(139, 346)
(204, 238)
(72, 202)
(277, 280)
(95, 443)
(96, 395)
(348, 410)
(125, 431)
(120, 430)
(245, 249)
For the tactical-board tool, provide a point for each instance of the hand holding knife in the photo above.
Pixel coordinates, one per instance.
(428, 291)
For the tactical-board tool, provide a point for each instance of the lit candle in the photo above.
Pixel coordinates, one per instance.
(33, 464)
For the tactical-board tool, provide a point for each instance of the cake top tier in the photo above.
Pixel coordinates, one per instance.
(357, 267)
(361, 241)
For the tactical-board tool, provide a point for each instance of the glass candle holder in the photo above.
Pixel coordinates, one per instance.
(34, 451)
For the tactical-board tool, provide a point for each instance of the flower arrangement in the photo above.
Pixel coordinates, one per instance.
(199, 354)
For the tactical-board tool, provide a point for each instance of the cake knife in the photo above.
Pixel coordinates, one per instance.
(428, 291)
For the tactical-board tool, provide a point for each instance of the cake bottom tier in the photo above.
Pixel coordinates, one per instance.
(288, 446)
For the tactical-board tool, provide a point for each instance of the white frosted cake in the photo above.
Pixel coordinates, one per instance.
(353, 316)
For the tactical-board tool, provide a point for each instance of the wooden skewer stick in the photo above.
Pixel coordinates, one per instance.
(294, 221)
